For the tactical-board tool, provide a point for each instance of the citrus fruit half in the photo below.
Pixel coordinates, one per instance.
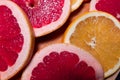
(110, 6)
(16, 39)
(63, 62)
(45, 15)
(98, 33)
(75, 4)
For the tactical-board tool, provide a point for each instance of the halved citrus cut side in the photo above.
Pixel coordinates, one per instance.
(16, 39)
(45, 15)
(75, 4)
(98, 33)
(110, 6)
(63, 62)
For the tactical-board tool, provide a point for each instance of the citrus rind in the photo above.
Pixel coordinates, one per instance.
(114, 69)
(92, 6)
(76, 5)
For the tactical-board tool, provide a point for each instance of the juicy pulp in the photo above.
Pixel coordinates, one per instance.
(63, 66)
(11, 40)
(110, 6)
(41, 12)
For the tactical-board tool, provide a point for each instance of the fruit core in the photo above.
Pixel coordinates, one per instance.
(41, 12)
(11, 40)
(32, 3)
(63, 66)
(110, 6)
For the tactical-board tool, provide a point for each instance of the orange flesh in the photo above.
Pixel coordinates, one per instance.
(101, 38)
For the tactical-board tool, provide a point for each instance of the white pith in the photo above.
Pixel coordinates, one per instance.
(92, 5)
(92, 43)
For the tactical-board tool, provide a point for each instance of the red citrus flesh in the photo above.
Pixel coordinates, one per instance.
(16, 39)
(45, 16)
(63, 62)
(11, 40)
(62, 66)
(41, 12)
(110, 6)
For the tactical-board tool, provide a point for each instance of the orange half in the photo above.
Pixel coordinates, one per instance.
(99, 34)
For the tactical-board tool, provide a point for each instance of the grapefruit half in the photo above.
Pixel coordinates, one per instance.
(16, 39)
(63, 62)
(45, 15)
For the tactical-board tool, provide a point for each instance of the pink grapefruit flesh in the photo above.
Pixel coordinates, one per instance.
(11, 40)
(110, 6)
(63, 66)
(44, 12)
(16, 39)
(63, 62)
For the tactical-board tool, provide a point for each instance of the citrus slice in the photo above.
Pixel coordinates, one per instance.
(110, 6)
(45, 15)
(63, 62)
(98, 33)
(16, 39)
(75, 4)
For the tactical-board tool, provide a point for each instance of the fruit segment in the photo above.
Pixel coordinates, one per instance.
(110, 6)
(63, 62)
(42, 12)
(11, 40)
(16, 39)
(3, 65)
(65, 66)
(45, 15)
